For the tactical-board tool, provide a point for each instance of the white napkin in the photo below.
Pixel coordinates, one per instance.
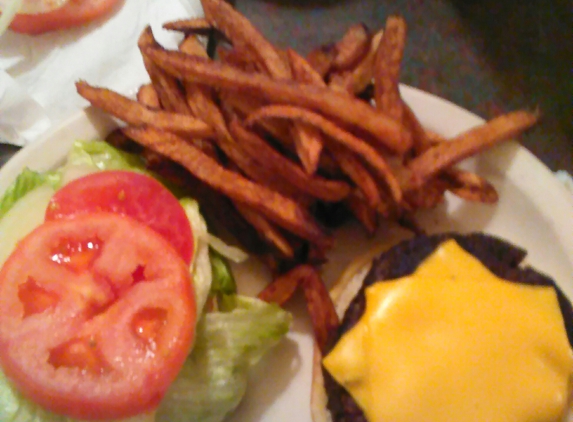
(37, 73)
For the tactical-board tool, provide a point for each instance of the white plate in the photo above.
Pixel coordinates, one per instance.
(534, 211)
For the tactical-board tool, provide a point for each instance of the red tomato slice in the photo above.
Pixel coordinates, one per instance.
(97, 316)
(73, 13)
(128, 193)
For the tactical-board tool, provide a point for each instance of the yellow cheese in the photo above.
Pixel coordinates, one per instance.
(453, 342)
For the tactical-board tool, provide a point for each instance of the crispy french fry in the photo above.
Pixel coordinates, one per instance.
(352, 47)
(283, 211)
(387, 64)
(476, 140)
(327, 190)
(192, 45)
(283, 287)
(302, 70)
(308, 141)
(147, 96)
(320, 308)
(167, 88)
(321, 59)
(194, 25)
(389, 133)
(338, 135)
(419, 135)
(364, 213)
(134, 113)
(266, 230)
(356, 80)
(244, 36)
(469, 186)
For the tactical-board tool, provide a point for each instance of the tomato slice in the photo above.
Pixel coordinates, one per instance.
(73, 13)
(97, 316)
(128, 193)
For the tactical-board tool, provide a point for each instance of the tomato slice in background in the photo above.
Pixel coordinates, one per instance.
(73, 13)
(97, 315)
(124, 192)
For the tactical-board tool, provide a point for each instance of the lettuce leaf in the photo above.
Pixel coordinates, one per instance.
(214, 378)
(26, 182)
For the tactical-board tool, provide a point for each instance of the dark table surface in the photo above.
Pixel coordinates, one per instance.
(484, 55)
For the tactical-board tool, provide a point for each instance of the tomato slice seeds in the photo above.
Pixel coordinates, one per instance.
(97, 316)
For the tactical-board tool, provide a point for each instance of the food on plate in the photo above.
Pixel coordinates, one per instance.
(447, 327)
(116, 303)
(37, 17)
(347, 143)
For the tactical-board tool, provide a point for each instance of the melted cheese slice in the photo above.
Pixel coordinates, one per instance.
(453, 342)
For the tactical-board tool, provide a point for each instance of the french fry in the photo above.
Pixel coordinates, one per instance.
(307, 141)
(147, 96)
(321, 59)
(356, 172)
(364, 213)
(419, 135)
(194, 25)
(319, 304)
(346, 109)
(327, 190)
(136, 114)
(266, 230)
(167, 88)
(244, 36)
(283, 287)
(469, 186)
(355, 81)
(192, 45)
(320, 308)
(352, 47)
(387, 64)
(338, 135)
(283, 211)
(474, 141)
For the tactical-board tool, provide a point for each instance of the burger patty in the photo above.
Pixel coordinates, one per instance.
(501, 257)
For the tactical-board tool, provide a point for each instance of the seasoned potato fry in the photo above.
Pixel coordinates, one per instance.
(327, 190)
(356, 80)
(283, 211)
(364, 213)
(147, 96)
(321, 59)
(387, 64)
(352, 47)
(137, 114)
(346, 109)
(170, 95)
(244, 36)
(266, 230)
(335, 133)
(469, 186)
(195, 25)
(474, 141)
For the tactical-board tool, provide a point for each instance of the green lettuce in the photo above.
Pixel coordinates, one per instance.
(213, 380)
(26, 182)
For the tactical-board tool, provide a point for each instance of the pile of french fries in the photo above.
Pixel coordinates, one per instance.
(264, 138)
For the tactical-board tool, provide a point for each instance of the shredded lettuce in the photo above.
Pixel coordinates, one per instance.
(214, 378)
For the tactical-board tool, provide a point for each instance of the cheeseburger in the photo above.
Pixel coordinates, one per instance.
(449, 328)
